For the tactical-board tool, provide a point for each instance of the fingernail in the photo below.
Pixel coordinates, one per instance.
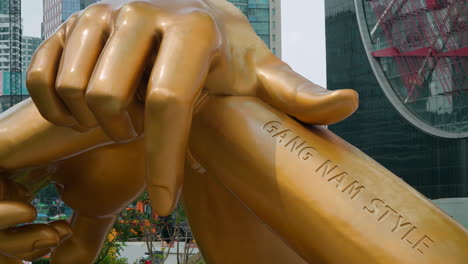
(163, 201)
(46, 243)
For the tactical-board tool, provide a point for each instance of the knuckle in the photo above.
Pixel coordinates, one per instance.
(132, 8)
(69, 24)
(133, 13)
(65, 28)
(71, 20)
(71, 91)
(98, 7)
(49, 233)
(96, 12)
(203, 18)
(105, 103)
(203, 23)
(167, 96)
(36, 80)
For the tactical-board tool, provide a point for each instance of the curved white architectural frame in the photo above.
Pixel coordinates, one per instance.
(386, 87)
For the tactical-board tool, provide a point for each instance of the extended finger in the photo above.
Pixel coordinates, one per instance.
(13, 191)
(14, 213)
(42, 75)
(295, 95)
(28, 238)
(79, 58)
(64, 231)
(177, 79)
(9, 260)
(120, 69)
(34, 255)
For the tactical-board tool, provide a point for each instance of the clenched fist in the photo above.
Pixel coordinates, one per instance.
(20, 241)
(167, 53)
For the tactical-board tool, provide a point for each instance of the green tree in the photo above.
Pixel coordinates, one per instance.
(111, 251)
(42, 261)
(134, 224)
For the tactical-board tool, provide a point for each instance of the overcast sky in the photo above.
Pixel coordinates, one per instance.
(303, 29)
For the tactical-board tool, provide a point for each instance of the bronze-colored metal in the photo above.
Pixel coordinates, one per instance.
(323, 197)
(256, 181)
(90, 70)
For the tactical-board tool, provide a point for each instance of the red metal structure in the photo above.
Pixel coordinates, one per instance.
(427, 42)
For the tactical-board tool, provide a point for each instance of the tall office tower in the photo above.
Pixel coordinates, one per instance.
(29, 46)
(4, 57)
(4, 7)
(408, 62)
(86, 3)
(55, 12)
(265, 17)
(4, 42)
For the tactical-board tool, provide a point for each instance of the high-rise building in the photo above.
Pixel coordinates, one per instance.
(86, 3)
(408, 61)
(265, 17)
(4, 42)
(55, 12)
(29, 46)
(4, 7)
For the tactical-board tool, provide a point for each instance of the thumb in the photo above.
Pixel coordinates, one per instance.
(293, 94)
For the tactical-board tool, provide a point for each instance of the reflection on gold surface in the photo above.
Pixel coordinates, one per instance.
(270, 188)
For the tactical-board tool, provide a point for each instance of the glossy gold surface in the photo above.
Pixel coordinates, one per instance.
(258, 186)
(324, 198)
(170, 53)
(247, 189)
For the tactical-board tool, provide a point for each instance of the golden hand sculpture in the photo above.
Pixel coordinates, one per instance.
(99, 183)
(273, 190)
(27, 242)
(169, 52)
(267, 187)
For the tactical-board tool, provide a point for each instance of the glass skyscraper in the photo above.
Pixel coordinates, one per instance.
(69, 7)
(55, 13)
(435, 163)
(85, 3)
(13, 84)
(4, 7)
(265, 17)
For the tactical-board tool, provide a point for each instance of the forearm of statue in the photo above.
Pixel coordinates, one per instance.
(324, 197)
(27, 139)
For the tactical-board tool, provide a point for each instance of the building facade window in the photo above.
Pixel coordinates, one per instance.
(435, 166)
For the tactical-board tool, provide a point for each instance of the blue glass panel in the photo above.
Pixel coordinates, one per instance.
(435, 166)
